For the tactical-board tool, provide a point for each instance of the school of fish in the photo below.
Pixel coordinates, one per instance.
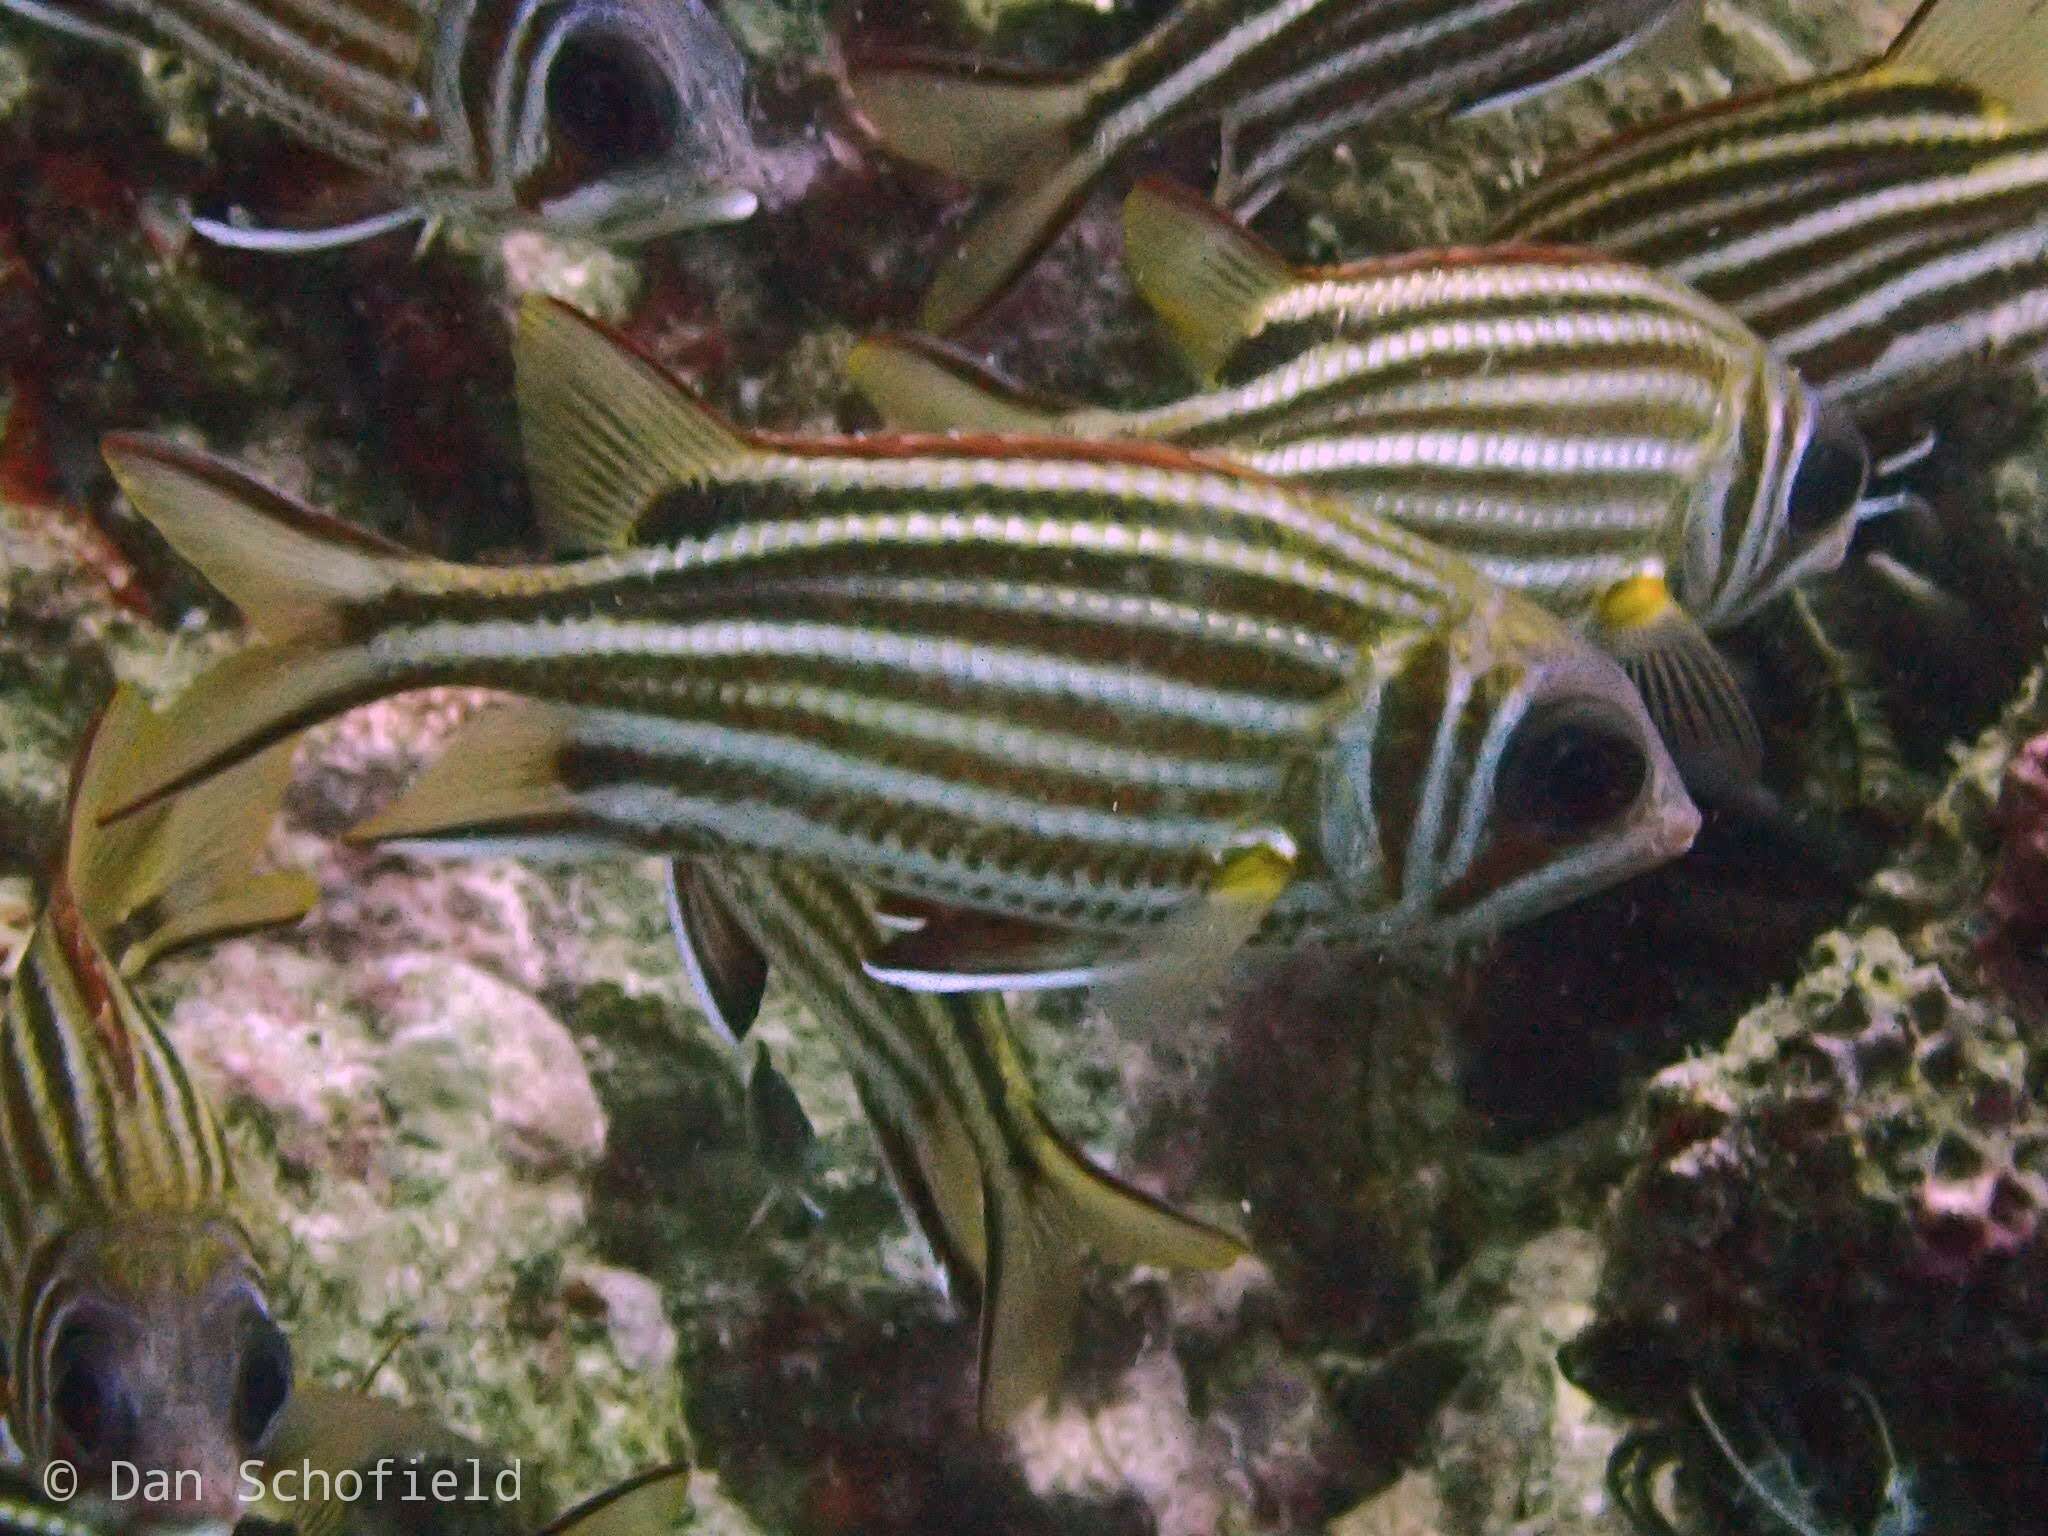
(1401, 626)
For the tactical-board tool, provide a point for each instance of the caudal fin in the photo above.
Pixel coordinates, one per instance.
(1998, 46)
(1004, 241)
(1208, 278)
(182, 873)
(1044, 1213)
(920, 384)
(609, 434)
(293, 573)
(967, 117)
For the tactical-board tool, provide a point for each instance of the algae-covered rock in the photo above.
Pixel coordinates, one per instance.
(1852, 1191)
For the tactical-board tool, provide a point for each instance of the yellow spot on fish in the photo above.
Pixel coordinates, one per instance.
(1634, 603)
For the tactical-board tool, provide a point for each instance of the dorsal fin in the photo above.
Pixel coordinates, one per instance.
(1998, 46)
(1207, 277)
(608, 432)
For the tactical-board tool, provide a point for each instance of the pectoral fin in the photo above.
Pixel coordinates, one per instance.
(726, 968)
(1184, 966)
(1685, 683)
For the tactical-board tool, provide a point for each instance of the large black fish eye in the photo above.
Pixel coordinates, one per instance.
(1568, 773)
(263, 1381)
(89, 1396)
(609, 103)
(1831, 474)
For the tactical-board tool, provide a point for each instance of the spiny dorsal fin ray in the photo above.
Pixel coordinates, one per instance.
(922, 384)
(1207, 277)
(608, 433)
(1998, 46)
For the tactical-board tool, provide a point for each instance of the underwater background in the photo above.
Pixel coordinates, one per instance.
(1715, 1199)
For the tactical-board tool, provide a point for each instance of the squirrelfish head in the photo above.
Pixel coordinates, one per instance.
(624, 119)
(147, 1343)
(1782, 509)
(1495, 772)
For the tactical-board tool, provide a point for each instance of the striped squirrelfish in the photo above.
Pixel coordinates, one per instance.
(616, 119)
(1282, 77)
(1082, 688)
(137, 1327)
(1581, 429)
(1886, 229)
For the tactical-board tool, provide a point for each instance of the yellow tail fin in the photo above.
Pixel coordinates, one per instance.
(966, 117)
(1998, 46)
(180, 874)
(293, 573)
(1042, 1217)
(1207, 277)
(1007, 239)
(608, 433)
(289, 570)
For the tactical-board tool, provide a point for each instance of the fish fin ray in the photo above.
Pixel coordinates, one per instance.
(1999, 47)
(1122, 1223)
(921, 384)
(96, 23)
(1005, 240)
(1185, 964)
(1031, 1293)
(965, 118)
(1672, 41)
(608, 433)
(289, 570)
(276, 240)
(727, 969)
(271, 900)
(655, 1502)
(521, 741)
(1691, 694)
(931, 1164)
(1039, 1229)
(1205, 276)
(179, 874)
(974, 952)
